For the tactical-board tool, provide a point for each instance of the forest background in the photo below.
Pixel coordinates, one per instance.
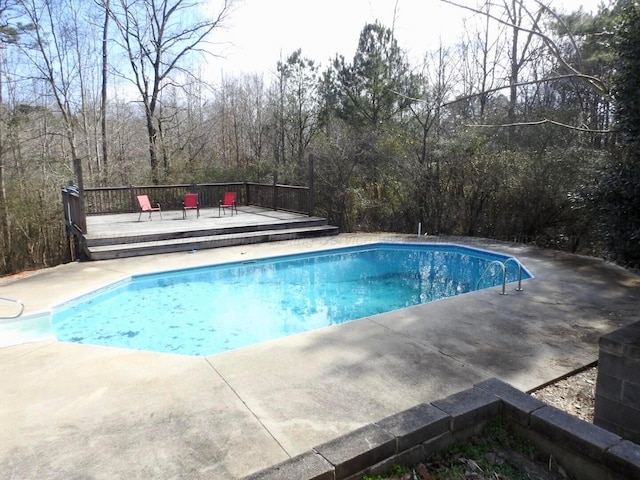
(527, 129)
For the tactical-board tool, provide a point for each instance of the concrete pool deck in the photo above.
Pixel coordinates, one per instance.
(79, 411)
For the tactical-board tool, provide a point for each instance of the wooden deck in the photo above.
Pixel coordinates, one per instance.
(124, 235)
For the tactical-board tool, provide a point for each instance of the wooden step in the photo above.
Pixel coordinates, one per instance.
(151, 247)
(176, 232)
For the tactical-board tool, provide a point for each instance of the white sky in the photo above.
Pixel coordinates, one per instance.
(260, 32)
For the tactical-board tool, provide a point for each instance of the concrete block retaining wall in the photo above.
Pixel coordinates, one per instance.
(586, 451)
(618, 388)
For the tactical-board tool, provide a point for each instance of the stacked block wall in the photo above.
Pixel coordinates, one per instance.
(617, 407)
(586, 451)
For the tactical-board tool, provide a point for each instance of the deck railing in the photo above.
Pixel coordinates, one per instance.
(113, 200)
(110, 200)
(74, 216)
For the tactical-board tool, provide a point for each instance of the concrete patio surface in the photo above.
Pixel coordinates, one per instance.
(79, 411)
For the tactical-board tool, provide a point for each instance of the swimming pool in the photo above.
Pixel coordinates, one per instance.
(208, 310)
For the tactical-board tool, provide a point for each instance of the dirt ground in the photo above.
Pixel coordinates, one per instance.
(574, 394)
(16, 276)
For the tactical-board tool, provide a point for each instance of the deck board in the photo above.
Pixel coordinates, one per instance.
(131, 234)
(127, 224)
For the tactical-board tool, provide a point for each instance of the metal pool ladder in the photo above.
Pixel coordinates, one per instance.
(503, 268)
(17, 302)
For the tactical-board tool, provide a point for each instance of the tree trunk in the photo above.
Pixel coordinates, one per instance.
(103, 104)
(5, 225)
(153, 150)
(515, 65)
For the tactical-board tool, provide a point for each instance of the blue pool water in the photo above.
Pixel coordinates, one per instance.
(213, 309)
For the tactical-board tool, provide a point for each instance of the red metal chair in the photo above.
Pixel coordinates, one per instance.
(145, 206)
(228, 201)
(190, 202)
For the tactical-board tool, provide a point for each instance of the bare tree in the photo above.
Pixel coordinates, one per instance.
(525, 24)
(158, 36)
(57, 50)
(8, 35)
(241, 110)
(104, 87)
(486, 46)
(427, 122)
(299, 105)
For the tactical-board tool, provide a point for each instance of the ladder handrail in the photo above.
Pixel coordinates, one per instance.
(503, 267)
(491, 265)
(14, 301)
(517, 262)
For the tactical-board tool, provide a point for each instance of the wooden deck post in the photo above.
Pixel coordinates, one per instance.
(74, 218)
(275, 190)
(81, 213)
(311, 199)
(132, 194)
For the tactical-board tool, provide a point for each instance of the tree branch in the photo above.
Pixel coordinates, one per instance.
(519, 84)
(594, 83)
(503, 87)
(542, 122)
